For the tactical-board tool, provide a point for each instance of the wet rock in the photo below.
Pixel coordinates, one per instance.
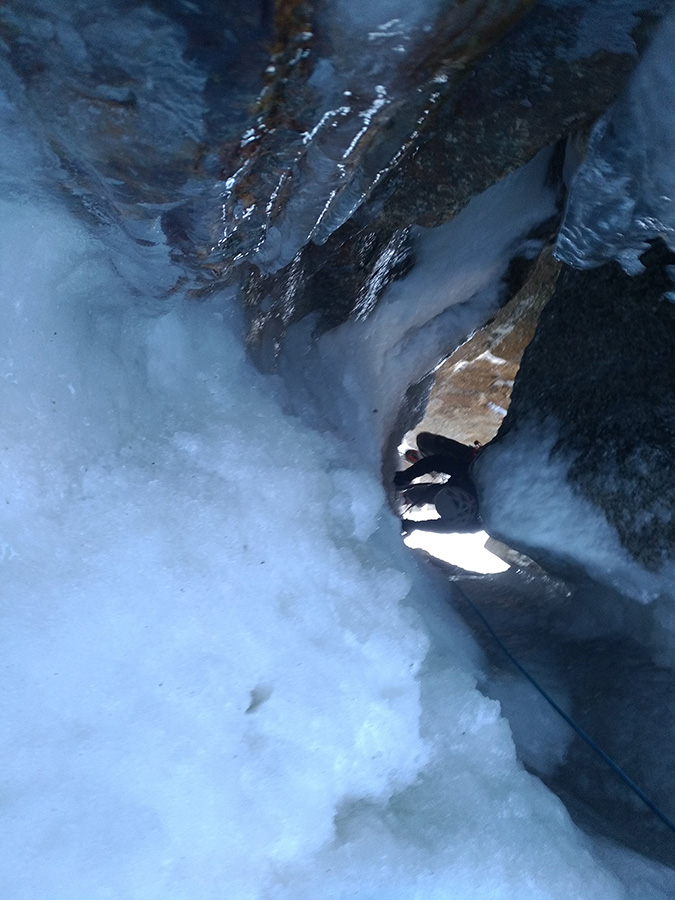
(538, 83)
(149, 113)
(345, 99)
(447, 127)
(334, 282)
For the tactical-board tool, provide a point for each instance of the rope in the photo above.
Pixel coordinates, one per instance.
(582, 734)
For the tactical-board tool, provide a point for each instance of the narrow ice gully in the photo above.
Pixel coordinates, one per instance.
(223, 675)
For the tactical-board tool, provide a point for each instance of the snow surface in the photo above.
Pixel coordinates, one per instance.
(211, 682)
(223, 675)
(525, 495)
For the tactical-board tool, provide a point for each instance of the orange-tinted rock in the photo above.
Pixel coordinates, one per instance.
(472, 390)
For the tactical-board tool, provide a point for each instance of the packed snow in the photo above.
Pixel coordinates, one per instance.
(528, 497)
(225, 677)
(216, 683)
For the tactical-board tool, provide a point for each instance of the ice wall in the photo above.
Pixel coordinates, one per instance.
(215, 681)
(623, 195)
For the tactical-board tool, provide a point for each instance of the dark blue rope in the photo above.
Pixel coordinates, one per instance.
(582, 734)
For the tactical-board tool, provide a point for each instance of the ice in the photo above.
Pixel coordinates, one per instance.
(384, 16)
(373, 79)
(211, 685)
(173, 563)
(223, 674)
(541, 735)
(623, 195)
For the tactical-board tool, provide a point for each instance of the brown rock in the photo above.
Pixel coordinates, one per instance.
(472, 390)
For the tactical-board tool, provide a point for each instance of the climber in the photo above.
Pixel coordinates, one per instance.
(455, 499)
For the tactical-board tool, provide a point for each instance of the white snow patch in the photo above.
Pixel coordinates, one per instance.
(527, 500)
(211, 687)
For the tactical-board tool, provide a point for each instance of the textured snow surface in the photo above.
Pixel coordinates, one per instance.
(624, 193)
(606, 24)
(211, 687)
(223, 678)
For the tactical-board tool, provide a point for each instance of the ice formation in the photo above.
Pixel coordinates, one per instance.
(223, 676)
(216, 683)
(366, 89)
(623, 195)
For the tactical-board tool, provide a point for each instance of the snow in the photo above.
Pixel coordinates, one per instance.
(527, 498)
(212, 681)
(542, 736)
(223, 674)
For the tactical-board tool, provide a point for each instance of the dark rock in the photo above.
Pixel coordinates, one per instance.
(528, 91)
(345, 277)
(532, 84)
(602, 367)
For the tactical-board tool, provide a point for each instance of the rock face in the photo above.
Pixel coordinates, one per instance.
(600, 376)
(327, 135)
(330, 175)
(102, 115)
(472, 389)
(345, 99)
(536, 84)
